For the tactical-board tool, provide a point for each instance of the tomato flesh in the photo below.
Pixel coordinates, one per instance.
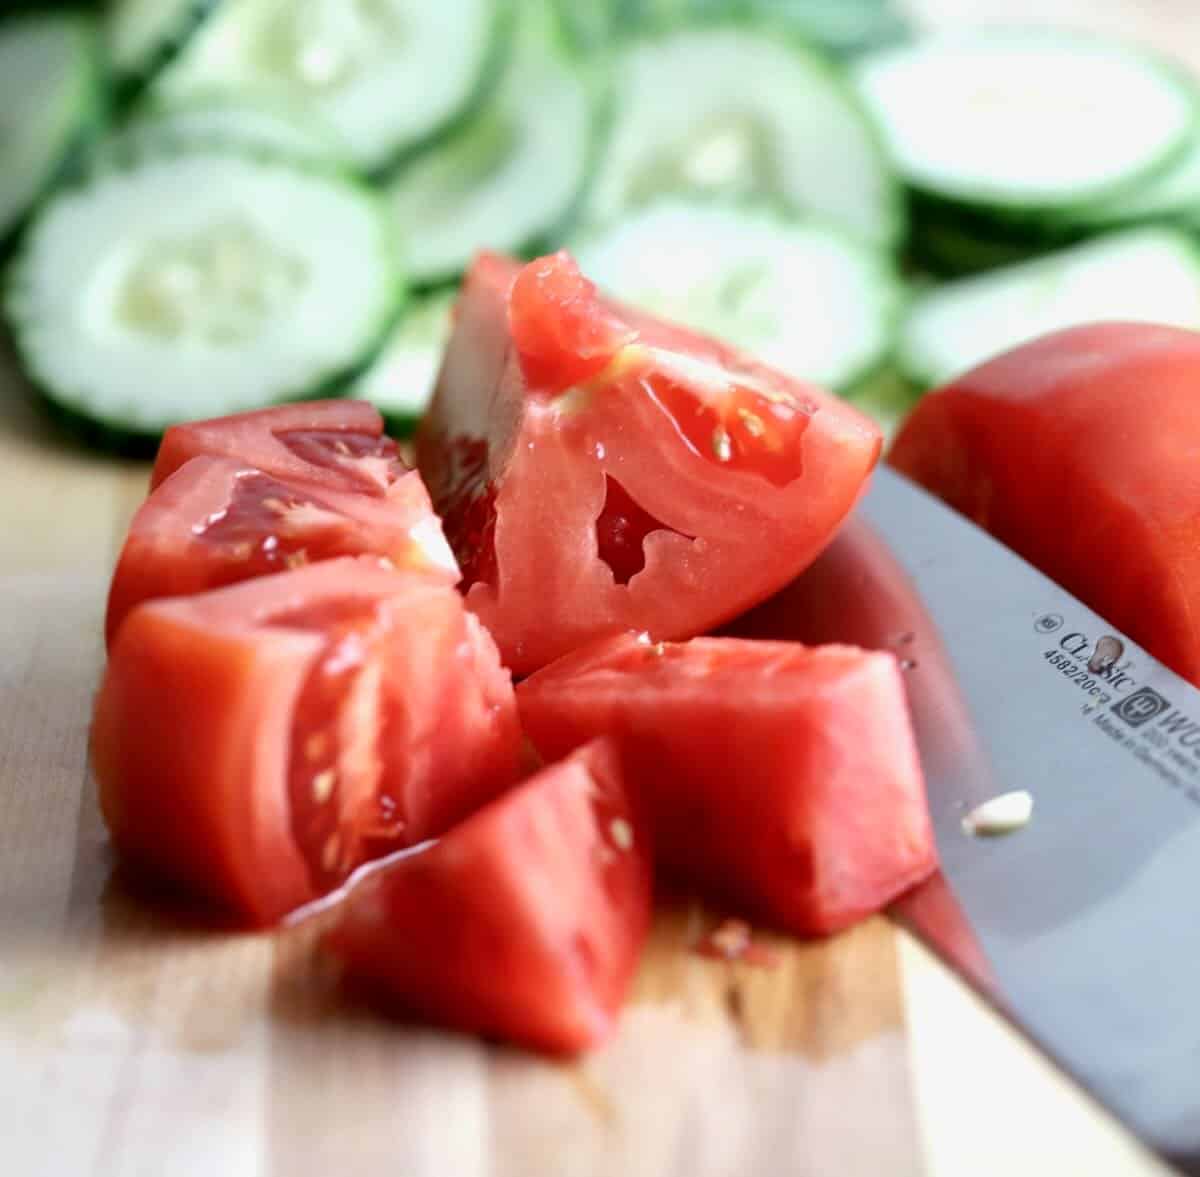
(254, 744)
(336, 445)
(524, 922)
(779, 777)
(1078, 451)
(215, 522)
(599, 470)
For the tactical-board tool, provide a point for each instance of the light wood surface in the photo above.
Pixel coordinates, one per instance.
(134, 1046)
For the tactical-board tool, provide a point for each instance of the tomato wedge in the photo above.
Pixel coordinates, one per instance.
(335, 444)
(780, 777)
(1079, 451)
(215, 521)
(254, 744)
(524, 922)
(598, 470)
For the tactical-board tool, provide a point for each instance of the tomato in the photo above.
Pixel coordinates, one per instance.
(779, 777)
(256, 743)
(599, 470)
(524, 922)
(1079, 451)
(215, 521)
(336, 445)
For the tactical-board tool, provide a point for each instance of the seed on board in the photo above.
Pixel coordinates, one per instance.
(622, 833)
(1001, 815)
(722, 444)
(330, 853)
(322, 785)
(753, 422)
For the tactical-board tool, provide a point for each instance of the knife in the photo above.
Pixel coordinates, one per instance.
(1081, 926)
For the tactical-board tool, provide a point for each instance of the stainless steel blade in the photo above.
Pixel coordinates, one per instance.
(1084, 926)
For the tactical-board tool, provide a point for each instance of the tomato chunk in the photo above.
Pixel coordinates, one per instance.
(1079, 451)
(216, 521)
(523, 923)
(336, 445)
(780, 777)
(254, 744)
(599, 470)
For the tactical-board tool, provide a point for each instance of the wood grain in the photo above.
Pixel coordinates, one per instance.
(137, 1043)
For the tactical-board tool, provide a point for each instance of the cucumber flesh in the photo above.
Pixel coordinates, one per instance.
(508, 178)
(140, 36)
(1146, 275)
(1027, 122)
(386, 75)
(803, 297)
(224, 121)
(400, 382)
(733, 110)
(198, 284)
(49, 91)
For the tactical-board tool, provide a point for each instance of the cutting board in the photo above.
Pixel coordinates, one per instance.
(135, 1042)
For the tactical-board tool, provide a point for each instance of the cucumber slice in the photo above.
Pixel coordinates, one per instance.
(49, 93)
(804, 297)
(1171, 194)
(224, 121)
(198, 284)
(141, 36)
(400, 382)
(386, 75)
(1027, 122)
(736, 110)
(508, 178)
(1149, 275)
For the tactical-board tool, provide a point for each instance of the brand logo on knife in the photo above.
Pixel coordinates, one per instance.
(1142, 706)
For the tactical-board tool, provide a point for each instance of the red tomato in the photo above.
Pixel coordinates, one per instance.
(781, 777)
(1079, 451)
(336, 445)
(524, 922)
(598, 470)
(256, 743)
(216, 521)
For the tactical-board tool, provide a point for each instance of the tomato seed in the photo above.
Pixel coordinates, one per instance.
(722, 444)
(322, 786)
(622, 833)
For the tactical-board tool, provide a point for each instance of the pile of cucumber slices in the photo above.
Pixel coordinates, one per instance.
(209, 206)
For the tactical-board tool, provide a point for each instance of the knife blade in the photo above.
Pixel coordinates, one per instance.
(1081, 927)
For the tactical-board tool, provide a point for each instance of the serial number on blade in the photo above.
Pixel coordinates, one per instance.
(1079, 675)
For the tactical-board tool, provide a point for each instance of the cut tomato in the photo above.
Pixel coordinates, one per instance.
(256, 743)
(598, 470)
(216, 521)
(336, 445)
(523, 923)
(780, 777)
(1078, 451)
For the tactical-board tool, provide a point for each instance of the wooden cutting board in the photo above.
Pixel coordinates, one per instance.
(133, 1044)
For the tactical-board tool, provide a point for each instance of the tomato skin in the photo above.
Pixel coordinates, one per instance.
(1078, 451)
(524, 922)
(172, 547)
(297, 442)
(195, 731)
(782, 778)
(720, 519)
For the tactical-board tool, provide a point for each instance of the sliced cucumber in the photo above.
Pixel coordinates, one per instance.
(842, 27)
(141, 36)
(1027, 122)
(736, 110)
(386, 75)
(225, 121)
(49, 93)
(1150, 275)
(201, 283)
(509, 177)
(400, 382)
(1171, 194)
(804, 297)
